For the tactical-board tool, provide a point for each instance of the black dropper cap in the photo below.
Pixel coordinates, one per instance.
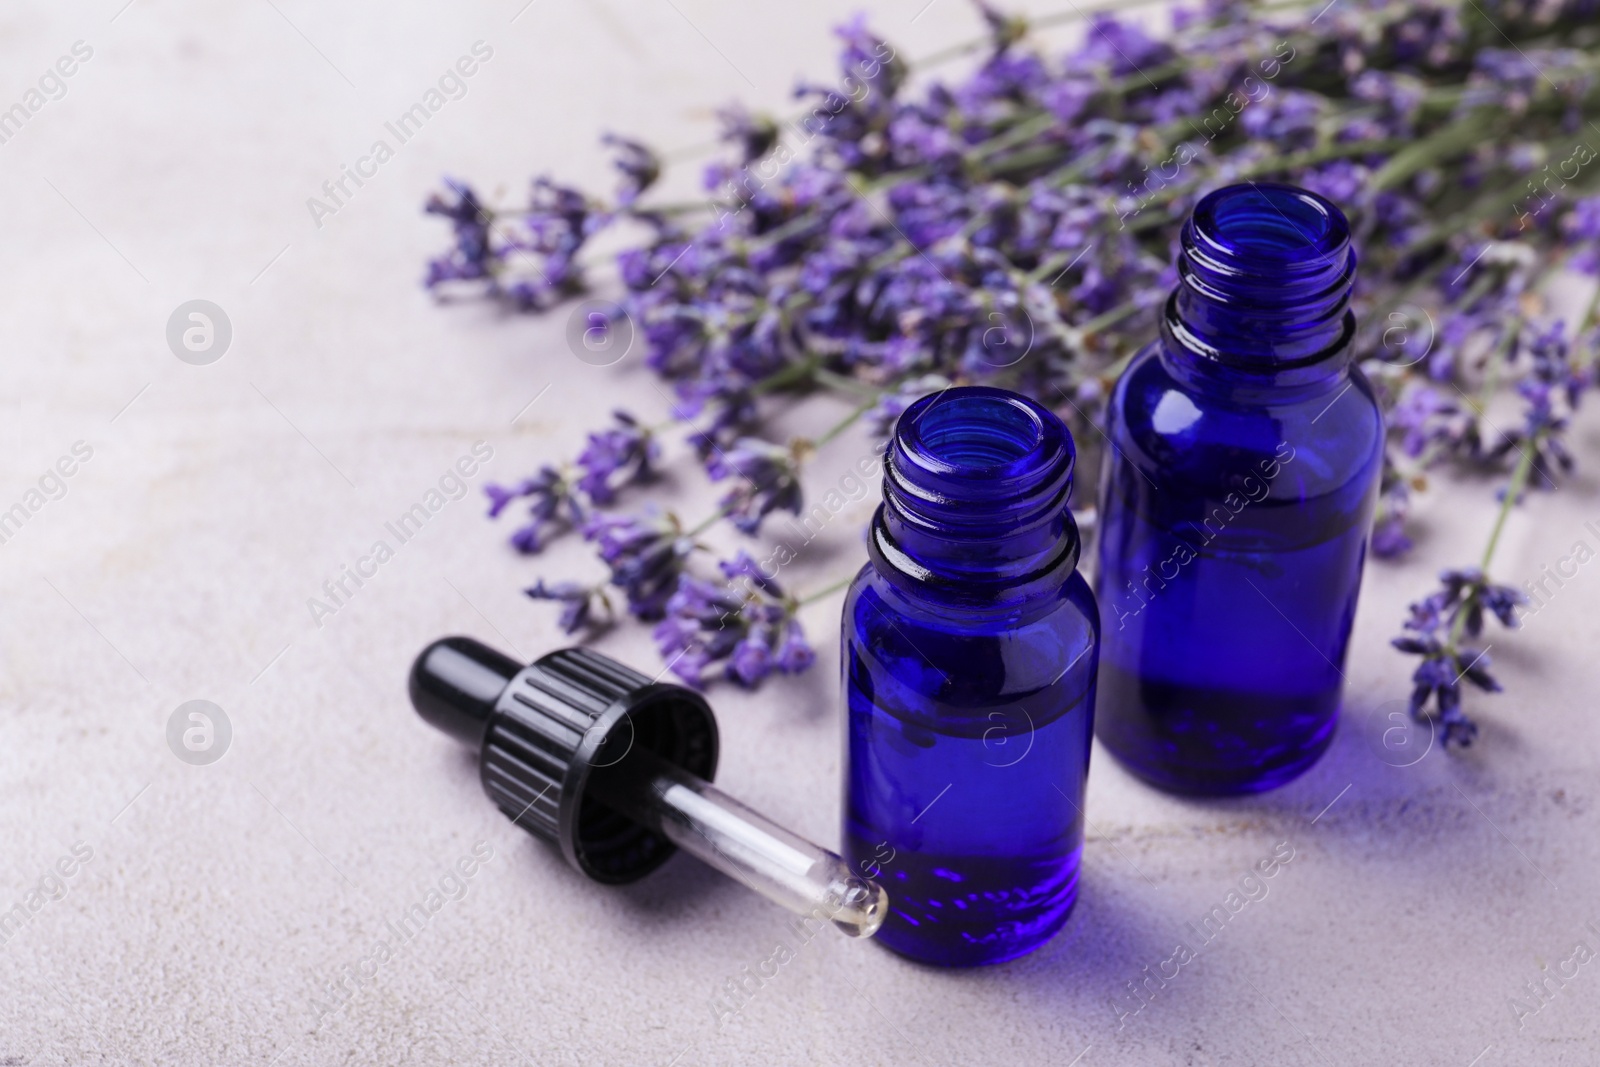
(542, 729)
(456, 683)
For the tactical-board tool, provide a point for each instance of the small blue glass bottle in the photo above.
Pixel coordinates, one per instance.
(969, 650)
(1241, 477)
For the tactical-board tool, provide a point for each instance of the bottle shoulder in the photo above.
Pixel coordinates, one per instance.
(875, 603)
(1174, 429)
(905, 652)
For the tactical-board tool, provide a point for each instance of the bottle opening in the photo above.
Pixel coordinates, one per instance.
(976, 433)
(975, 492)
(1277, 222)
(1265, 274)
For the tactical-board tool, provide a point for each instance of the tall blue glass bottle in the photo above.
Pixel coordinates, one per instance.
(1241, 477)
(970, 643)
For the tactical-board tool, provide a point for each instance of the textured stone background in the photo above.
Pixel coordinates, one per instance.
(222, 901)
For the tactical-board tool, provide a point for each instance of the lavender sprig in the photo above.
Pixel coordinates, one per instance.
(766, 476)
(647, 555)
(1013, 226)
(615, 457)
(746, 625)
(1458, 610)
(582, 606)
(554, 503)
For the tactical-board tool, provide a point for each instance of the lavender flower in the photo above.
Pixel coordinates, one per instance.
(578, 602)
(1466, 593)
(638, 165)
(747, 626)
(1120, 47)
(647, 555)
(472, 257)
(768, 479)
(557, 224)
(700, 628)
(1287, 119)
(1552, 389)
(1583, 228)
(1503, 78)
(754, 135)
(553, 505)
(1394, 504)
(1438, 678)
(613, 457)
(1423, 419)
(1012, 225)
(868, 57)
(1437, 624)
(1553, 374)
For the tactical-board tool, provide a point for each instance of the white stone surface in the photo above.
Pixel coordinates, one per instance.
(222, 901)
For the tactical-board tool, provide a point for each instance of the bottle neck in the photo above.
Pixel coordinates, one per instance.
(975, 490)
(1265, 274)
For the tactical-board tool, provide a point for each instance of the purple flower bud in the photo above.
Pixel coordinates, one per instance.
(1421, 417)
(638, 165)
(1121, 47)
(751, 660)
(1389, 537)
(577, 602)
(616, 456)
(472, 257)
(795, 654)
(746, 625)
(768, 478)
(753, 134)
(552, 504)
(646, 554)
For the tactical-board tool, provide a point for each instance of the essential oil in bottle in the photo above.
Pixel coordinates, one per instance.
(969, 646)
(1240, 481)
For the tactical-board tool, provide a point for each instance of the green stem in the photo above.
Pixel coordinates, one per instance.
(794, 373)
(844, 424)
(1109, 318)
(1589, 313)
(1440, 145)
(688, 152)
(812, 598)
(1497, 360)
(835, 380)
(1519, 482)
(706, 523)
(1513, 493)
(1024, 130)
(1114, 371)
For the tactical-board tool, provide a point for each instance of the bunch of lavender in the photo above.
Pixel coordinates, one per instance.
(1014, 225)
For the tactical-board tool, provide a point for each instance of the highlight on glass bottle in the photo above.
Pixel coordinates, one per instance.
(1240, 481)
(969, 653)
(615, 769)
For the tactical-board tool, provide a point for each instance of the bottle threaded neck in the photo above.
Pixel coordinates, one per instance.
(1265, 273)
(976, 482)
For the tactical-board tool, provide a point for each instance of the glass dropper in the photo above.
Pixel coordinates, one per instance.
(615, 769)
(743, 844)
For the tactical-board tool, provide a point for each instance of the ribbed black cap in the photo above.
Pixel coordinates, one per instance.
(548, 725)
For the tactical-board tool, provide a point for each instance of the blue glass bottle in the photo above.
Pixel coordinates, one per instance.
(969, 649)
(1241, 477)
